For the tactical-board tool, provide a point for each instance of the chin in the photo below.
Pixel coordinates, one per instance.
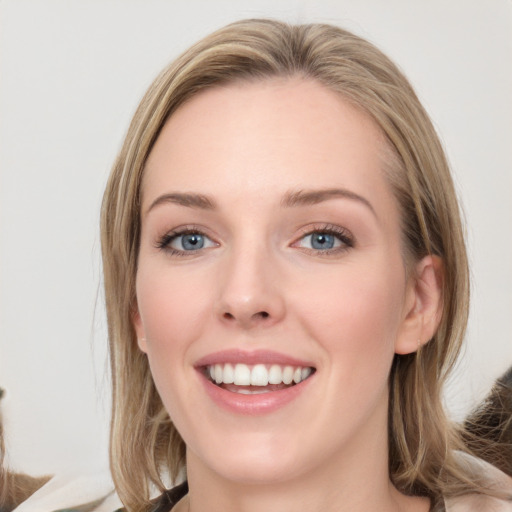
(256, 472)
(260, 461)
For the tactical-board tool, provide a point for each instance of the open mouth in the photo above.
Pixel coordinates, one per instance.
(256, 379)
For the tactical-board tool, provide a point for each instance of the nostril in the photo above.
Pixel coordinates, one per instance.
(260, 315)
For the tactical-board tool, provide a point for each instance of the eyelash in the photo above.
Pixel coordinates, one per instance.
(165, 241)
(343, 235)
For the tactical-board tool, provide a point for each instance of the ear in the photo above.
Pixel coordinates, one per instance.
(423, 305)
(139, 328)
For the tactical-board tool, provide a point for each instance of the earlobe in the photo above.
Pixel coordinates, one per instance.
(139, 329)
(424, 305)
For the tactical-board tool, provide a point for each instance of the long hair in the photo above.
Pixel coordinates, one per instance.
(144, 442)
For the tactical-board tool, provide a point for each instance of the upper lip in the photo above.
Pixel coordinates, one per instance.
(251, 358)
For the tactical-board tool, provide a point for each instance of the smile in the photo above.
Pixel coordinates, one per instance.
(256, 379)
(254, 382)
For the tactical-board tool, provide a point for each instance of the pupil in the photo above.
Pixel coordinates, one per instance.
(193, 241)
(322, 241)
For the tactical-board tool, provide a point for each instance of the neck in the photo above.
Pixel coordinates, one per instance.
(313, 494)
(356, 479)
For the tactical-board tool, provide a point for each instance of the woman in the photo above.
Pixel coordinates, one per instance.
(286, 284)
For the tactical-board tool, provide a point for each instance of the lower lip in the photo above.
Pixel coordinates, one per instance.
(259, 403)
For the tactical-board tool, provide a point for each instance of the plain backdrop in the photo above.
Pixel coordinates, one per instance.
(71, 74)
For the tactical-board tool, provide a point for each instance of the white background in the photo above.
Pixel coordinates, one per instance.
(71, 75)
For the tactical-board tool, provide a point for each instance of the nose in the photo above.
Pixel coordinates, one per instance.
(251, 293)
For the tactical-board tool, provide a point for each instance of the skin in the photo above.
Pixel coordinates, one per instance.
(259, 285)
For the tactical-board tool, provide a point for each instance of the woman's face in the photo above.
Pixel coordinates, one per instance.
(271, 251)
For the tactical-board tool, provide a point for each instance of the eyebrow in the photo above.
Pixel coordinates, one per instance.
(291, 199)
(311, 197)
(189, 200)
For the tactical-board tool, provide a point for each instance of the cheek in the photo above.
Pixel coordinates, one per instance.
(171, 306)
(355, 316)
(173, 313)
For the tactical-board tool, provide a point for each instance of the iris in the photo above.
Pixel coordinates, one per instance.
(192, 241)
(322, 241)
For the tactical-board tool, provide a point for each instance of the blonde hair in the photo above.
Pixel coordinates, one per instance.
(144, 442)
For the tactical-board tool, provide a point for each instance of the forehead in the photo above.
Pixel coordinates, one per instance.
(263, 138)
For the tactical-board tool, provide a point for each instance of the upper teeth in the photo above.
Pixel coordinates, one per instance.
(257, 375)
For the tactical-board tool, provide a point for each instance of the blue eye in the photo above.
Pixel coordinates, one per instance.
(322, 241)
(326, 240)
(188, 241)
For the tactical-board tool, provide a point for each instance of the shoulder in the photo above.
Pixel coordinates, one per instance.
(166, 501)
(493, 478)
(169, 498)
(477, 503)
(74, 491)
